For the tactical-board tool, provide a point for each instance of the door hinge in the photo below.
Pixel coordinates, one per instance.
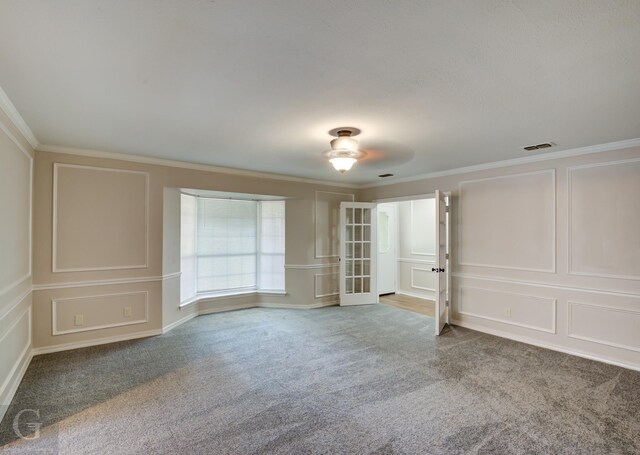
(446, 256)
(446, 303)
(446, 208)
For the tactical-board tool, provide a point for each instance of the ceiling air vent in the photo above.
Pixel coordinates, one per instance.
(385, 175)
(545, 145)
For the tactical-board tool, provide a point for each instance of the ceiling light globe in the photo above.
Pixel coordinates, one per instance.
(342, 164)
(344, 143)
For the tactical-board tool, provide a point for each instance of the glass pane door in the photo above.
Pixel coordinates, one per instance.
(357, 258)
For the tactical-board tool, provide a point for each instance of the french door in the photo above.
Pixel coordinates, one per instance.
(443, 280)
(358, 243)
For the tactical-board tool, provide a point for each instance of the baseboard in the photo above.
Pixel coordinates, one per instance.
(417, 296)
(12, 384)
(241, 306)
(175, 324)
(553, 347)
(85, 344)
(298, 307)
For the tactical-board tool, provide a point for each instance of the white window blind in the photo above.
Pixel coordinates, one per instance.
(230, 245)
(187, 247)
(227, 244)
(272, 245)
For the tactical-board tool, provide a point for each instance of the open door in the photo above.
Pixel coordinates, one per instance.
(358, 268)
(442, 266)
(387, 255)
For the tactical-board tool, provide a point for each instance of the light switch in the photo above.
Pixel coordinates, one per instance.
(79, 319)
(127, 312)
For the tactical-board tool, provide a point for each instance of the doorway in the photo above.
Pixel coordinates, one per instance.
(413, 254)
(396, 252)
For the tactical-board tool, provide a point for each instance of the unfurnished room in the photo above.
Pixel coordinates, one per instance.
(320, 227)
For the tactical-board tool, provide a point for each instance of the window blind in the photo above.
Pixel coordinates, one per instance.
(187, 247)
(272, 219)
(227, 244)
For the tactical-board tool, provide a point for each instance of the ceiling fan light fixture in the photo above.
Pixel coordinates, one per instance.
(344, 141)
(344, 151)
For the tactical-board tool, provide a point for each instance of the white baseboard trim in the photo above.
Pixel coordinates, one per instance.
(12, 384)
(222, 309)
(298, 307)
(553, 347)
(173, 325)
(181, 321)
(85, 344)
(415, 295)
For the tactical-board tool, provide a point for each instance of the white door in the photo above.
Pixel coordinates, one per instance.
(441, 266)
(358, 283)
(387, 242)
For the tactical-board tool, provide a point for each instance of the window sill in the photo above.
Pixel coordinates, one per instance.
(217, 295)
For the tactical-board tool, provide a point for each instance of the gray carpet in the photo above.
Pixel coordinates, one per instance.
(358, 380)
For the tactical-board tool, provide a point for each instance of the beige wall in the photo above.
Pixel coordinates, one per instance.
(107, 236)
(547, 252)
(15, 258)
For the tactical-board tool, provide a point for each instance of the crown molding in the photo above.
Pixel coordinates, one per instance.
(514, 162)
(188, 165)
(10, 110)
(618, 145)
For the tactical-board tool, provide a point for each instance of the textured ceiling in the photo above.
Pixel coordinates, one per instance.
(433, 85)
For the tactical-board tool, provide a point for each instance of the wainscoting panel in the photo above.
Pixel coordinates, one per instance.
(604, 222)
(327, 222)
(508, 222)
(15, 346)
(99, 218)
(15, 200)
(416, 278)
(326, 284)
(99, 311)
(529, 311)
(605, 325)
(422, 278)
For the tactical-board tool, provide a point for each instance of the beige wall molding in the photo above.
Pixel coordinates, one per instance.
(552, 317)
(56, 302)
(15, 303)
(84, 284)
(333, 283)
(622, 314)
(55, 267)
(551, 204)
(7, 288)
(616, 194)
(542, 285)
